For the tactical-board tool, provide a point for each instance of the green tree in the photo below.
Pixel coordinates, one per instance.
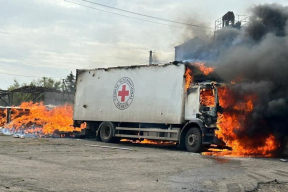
(19, 97)
(47, 82)
(69, 83)
(15, 85)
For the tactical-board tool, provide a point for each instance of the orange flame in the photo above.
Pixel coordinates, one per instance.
(232, 121)
(43, 120)
(14, 114)
(203, 68)
(3, 120)
(189, 78)
(207, 97)
(146, 141)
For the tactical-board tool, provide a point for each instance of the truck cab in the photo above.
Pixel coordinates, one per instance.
(206, 97)
(201, 105)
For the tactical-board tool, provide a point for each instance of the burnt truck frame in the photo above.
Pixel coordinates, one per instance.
(145, 102)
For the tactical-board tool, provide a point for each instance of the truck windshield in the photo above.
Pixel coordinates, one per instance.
(207, 97)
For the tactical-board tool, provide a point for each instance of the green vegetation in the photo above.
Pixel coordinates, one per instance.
(66, 85)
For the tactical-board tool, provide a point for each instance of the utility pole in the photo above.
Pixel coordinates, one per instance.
(10, 98)
(150, 58)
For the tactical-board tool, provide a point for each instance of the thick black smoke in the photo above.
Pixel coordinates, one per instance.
(257, 57)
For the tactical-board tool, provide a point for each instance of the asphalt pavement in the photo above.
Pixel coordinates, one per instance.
(46, 164)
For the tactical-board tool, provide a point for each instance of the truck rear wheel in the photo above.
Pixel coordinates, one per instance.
(193, 140)
(106, 132)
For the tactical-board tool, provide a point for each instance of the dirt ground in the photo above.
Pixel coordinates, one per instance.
(48, 164)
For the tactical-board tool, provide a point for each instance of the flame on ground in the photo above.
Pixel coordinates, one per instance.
(3, 119)
(15, 113)
(153, 142)
(39, 119)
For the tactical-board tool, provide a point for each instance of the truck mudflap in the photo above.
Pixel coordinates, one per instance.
(208, 135)
(76, 123)
(219, 142)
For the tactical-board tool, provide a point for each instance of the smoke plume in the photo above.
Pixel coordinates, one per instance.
(256, 58)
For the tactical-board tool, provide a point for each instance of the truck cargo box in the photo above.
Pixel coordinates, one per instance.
(147, 94)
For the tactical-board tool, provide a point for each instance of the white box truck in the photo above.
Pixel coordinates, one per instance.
(145, 102)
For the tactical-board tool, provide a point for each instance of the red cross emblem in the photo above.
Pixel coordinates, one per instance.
(123, 93)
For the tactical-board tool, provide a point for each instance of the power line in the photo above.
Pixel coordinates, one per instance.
(132, 17)
(147, 15)
(28, 75)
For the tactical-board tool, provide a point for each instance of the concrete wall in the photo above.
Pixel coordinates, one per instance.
(194, 49)
(58, 98)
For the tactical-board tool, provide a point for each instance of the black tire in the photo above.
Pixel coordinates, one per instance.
(193, 140)
(181, 145)
(107, 131)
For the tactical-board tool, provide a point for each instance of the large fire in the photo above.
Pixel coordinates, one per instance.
(233, 120)
(38, 118)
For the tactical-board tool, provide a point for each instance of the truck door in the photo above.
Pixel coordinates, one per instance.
(192, 104)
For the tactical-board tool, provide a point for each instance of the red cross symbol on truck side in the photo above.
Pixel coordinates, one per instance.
(123, 93)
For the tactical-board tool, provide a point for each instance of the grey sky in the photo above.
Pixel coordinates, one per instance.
(53, 37)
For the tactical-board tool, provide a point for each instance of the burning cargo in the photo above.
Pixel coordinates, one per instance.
(146, 102)
(39, 120)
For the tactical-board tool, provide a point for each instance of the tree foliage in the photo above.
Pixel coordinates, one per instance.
(70, 83)
(67, 85)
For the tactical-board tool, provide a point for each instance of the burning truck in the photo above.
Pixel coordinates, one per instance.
(155, 102)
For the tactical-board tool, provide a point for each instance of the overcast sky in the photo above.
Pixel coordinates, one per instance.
(53, 37)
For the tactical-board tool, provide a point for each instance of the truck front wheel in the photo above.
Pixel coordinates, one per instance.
(106, 132)
(193, 140)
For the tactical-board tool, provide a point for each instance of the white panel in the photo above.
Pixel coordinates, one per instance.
(192, 104)
(158, 94)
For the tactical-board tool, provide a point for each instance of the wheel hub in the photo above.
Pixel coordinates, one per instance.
(107, 132)
(192, 140)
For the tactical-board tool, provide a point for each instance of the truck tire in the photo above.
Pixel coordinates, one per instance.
(193, 140)
(106, 131)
